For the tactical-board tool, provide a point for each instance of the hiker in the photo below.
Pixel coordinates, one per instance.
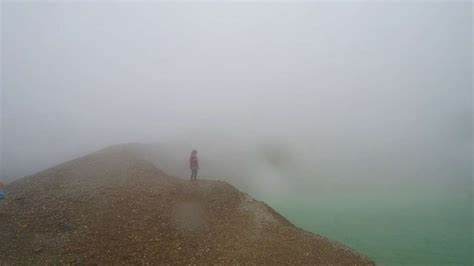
(2, 190)
(194, 165)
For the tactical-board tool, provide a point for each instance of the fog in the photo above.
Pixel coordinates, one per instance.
(352, 95)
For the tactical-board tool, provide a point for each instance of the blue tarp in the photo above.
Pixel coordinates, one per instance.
(2, 195)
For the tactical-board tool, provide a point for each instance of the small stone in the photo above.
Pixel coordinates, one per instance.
(38, 250)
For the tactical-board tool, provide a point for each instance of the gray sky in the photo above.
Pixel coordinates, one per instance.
(354, 89)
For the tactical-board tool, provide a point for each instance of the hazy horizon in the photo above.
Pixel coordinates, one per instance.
(355, 90)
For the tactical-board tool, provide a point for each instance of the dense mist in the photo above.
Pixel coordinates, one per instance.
(292, 95)
(351, 119)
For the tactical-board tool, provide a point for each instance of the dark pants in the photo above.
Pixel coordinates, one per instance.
(194, 173)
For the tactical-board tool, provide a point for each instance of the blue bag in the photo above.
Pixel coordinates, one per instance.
(2, 195)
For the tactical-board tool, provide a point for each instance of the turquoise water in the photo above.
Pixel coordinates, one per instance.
(391, 228)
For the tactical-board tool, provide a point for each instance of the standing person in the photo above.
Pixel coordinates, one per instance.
(193, 164)
(2, 190)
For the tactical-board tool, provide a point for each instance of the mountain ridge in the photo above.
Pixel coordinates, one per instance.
(112, 206)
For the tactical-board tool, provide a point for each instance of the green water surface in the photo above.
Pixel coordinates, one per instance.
(391, 228)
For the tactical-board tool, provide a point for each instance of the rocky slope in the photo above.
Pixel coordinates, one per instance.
(111, 207)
